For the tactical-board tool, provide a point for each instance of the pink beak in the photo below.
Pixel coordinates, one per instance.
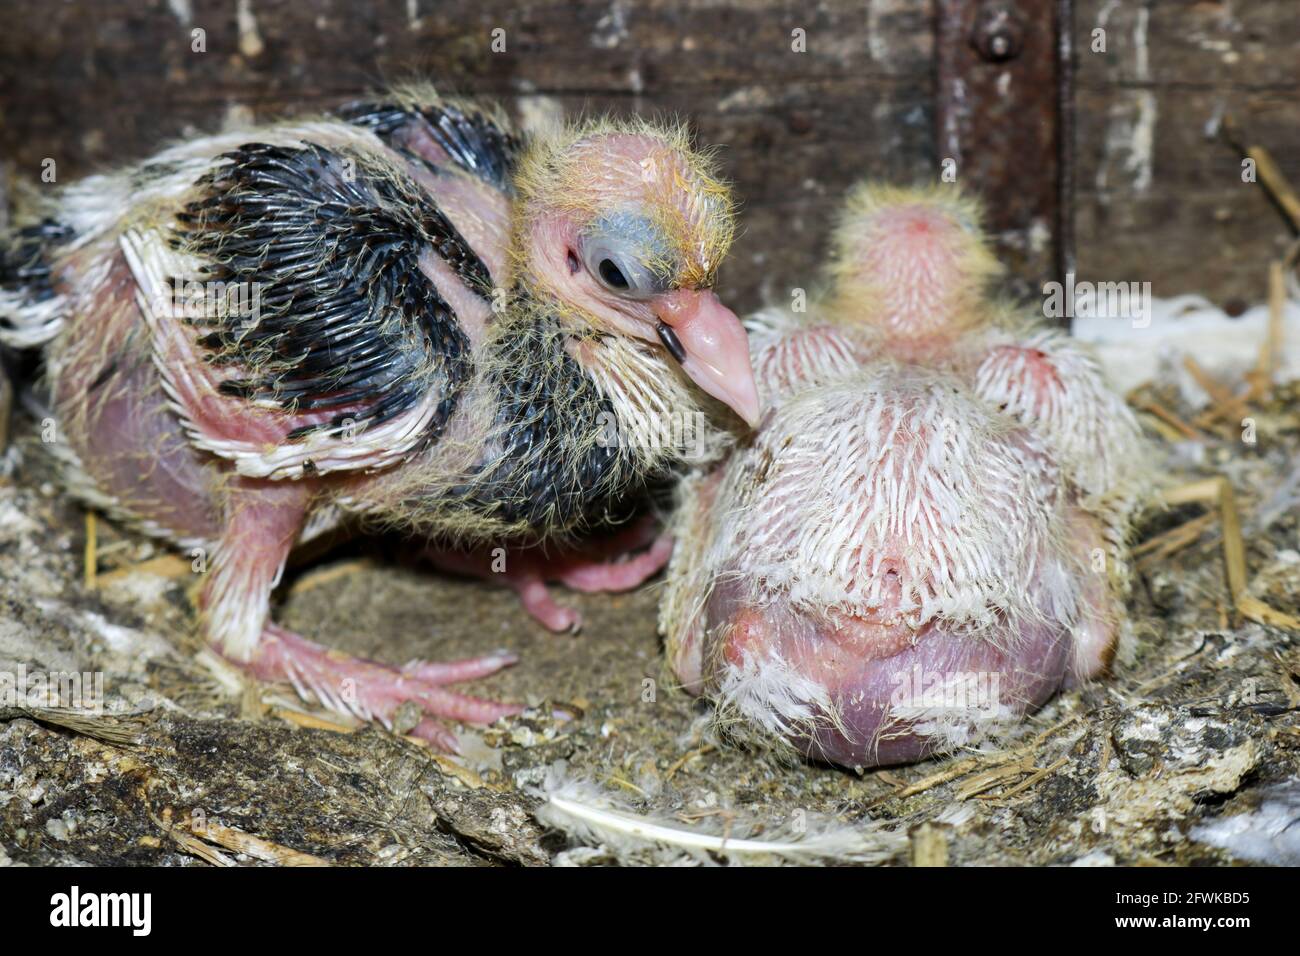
(709, 341)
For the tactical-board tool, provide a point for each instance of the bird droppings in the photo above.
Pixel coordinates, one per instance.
(611, 28)
(250, 40)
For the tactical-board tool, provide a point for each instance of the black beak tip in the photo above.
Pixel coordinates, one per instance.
(671, 342)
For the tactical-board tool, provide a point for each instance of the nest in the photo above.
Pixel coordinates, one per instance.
(1188, 754)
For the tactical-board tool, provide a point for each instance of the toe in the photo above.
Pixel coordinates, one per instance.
(455, 672)
(437, 735)
(536, 598)
(620, 575)
(440, 702)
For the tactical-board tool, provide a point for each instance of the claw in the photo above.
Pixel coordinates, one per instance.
(373, 691)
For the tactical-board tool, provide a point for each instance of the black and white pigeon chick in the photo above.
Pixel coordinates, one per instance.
(925, 539)
(405, 312)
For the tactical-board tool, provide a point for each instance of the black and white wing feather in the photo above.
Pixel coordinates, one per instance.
(321, 312)
(440, 132)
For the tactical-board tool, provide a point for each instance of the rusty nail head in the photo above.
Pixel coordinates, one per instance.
(999, 35)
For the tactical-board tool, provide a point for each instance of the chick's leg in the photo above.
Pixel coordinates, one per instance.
(620, 562)
(1096, 634)
(263, 521)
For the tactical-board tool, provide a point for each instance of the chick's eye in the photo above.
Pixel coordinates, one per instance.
(620, 272)
(612, 275)
(621, 265)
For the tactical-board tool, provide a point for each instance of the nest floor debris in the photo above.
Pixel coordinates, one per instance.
(1199, 723)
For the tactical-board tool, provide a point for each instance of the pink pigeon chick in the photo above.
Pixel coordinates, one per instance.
(404, 312)
(925, 539)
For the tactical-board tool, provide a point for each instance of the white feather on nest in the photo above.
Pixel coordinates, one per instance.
(1183, 326)
(1268, 834)
(1227, 348)
(589, 814)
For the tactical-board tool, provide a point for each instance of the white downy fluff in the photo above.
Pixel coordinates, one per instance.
(34, 323)
(929, 456)
(1099, 451)
(768, 692)
(874, 473)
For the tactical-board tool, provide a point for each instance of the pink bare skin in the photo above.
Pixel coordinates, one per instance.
(716, 355)
(263, 521)
(852, 680)
(872, 672)
(876, 670)
(375, 691)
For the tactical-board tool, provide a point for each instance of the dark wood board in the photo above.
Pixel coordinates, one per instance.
(91, 84)
(1159, 197)
(95, 83)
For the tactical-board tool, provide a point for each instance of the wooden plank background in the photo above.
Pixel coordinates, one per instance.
(95, 82)
(1157, 198)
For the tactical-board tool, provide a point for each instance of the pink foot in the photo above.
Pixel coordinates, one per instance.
(619, 575)
(373, 691)
(530, 587)
(598, 565)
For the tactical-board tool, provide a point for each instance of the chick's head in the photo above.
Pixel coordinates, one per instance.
(913, 263)
(622, 228)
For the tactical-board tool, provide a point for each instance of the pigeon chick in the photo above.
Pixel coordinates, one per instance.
(924, 540)
(404, 312)
(912, 268)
